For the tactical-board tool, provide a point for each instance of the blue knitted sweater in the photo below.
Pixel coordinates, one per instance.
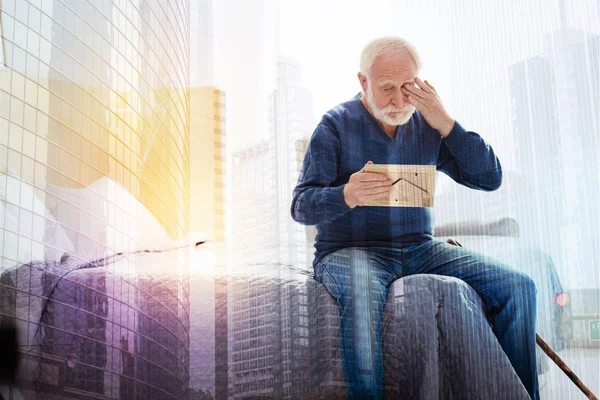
(345, 139)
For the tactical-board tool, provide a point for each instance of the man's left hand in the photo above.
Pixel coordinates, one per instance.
(426, 100)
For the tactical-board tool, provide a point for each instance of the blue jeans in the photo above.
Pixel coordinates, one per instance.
(359, 277)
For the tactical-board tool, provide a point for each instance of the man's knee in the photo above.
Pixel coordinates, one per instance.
(525, 283)
(522, 286)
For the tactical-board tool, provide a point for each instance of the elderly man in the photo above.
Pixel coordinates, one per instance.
(399, 119)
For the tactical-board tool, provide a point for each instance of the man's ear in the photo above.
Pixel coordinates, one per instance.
(363, 82)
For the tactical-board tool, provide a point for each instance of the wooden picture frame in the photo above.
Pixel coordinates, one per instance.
(414, 185)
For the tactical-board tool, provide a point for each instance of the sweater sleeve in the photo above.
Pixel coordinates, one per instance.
(465, 157)
(315, 198)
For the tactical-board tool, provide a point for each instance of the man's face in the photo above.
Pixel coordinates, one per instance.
(383, 92)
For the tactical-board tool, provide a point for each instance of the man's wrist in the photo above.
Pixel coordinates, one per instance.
(448, 128)
(347, 200)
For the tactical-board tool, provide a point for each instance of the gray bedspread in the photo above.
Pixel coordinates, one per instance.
(157, 333)
(439, 345)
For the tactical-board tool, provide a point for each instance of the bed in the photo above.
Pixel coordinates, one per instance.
(144, 327)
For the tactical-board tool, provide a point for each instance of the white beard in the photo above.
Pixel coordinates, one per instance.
(382, 114)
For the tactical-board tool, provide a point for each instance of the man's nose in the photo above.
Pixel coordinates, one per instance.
(400, 99)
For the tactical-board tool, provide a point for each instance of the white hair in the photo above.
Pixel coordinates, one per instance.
(388, 45)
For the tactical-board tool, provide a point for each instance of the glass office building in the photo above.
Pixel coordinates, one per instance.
(95, 160)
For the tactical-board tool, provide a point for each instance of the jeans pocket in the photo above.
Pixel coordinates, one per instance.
(327, 280)
(318, 272)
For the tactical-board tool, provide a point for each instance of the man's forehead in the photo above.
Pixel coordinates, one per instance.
(402, 60)
(393, 69)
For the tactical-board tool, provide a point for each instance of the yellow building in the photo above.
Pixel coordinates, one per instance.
(153, 143)
(89, 117)
(207, 163)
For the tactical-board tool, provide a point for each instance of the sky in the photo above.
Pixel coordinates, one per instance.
(326, 37)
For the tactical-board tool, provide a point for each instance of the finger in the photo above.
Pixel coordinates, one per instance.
(411, 89)
(430, 85)
(418, 103)
(423, 85)
(374, 192)
(363, 168)
(372, 177)
(374, 196)
(366, 186)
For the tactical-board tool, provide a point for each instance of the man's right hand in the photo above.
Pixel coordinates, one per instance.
(364, 187)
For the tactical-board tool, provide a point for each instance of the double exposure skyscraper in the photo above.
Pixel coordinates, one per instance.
(208, 297)
(270, 317)
(95, 161)
(556, 96)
